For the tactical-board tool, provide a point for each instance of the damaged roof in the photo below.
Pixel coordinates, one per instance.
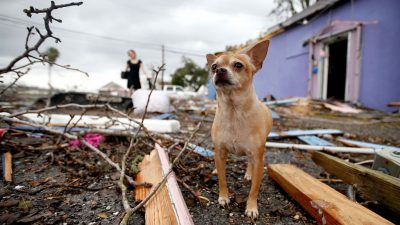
(320, 6)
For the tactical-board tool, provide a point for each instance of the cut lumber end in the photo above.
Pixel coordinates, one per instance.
(7, 166)
(322, 202)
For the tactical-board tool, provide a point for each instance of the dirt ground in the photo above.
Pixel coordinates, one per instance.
(74, 186)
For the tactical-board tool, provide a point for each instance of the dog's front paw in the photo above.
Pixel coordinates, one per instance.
(252, 212)
(223, 201)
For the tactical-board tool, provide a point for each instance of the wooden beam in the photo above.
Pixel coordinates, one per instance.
(324, 203)
(371, 184)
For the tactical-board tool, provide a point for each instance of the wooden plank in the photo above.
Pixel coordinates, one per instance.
(314, 140)
(321, 148)
(349, 142)
(7, 166)
(179, 205)
(324, 203)
(295, 133)
(372, 185)
(158, 209)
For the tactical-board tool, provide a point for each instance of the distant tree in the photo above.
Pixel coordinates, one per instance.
(51, 56)
(285, 9)
(190, 75)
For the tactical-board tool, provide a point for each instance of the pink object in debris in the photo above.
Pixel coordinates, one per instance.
(2, 132)
(92, 139)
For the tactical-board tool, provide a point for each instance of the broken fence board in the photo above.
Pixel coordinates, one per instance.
(365, 144)
(371, 184)
(314, 140)
(7, 166)
(321, 148)
(158, 210)
(324, 203)
(295, 133)
(179, 205)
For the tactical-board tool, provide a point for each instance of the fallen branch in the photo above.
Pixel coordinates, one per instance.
(73, 137)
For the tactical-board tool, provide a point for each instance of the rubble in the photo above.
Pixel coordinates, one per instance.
(76, 184)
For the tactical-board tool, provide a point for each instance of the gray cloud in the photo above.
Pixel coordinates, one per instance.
(96, 36)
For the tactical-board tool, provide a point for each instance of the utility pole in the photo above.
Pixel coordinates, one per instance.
(162, 63)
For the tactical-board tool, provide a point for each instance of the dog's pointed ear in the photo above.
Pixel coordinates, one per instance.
(210, 59)
(258, 53)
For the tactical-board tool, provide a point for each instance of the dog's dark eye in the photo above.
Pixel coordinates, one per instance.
(213, 67)
(238, 65)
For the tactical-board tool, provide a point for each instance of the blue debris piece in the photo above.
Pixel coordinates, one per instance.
(164, 116)
(314, 140)
(295, 133)
(275, 115)
(202, 151)
(282, 102)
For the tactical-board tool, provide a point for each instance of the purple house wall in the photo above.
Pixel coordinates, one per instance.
(286, 69)
(285, 72)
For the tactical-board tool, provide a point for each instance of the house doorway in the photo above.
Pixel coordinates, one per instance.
(336, 73)
(335, 58)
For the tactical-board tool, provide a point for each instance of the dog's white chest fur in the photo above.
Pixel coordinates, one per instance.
(235, 133)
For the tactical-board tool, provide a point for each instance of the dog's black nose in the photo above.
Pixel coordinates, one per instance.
(221, 71)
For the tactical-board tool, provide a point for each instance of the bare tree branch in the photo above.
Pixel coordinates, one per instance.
(27, 54)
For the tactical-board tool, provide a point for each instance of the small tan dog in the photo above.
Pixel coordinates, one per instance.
(242, 122)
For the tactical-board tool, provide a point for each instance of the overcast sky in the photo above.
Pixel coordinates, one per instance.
(96, 35)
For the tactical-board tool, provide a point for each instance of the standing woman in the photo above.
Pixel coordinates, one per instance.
(132, 67)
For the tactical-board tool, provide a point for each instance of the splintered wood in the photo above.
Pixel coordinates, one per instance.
(324, 203)
(167, 206)
(159, 208)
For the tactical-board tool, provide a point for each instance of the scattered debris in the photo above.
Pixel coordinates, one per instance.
(367, 181)
(295, 133)
(324, 203)
(388, 161)
(314, 140)
(164, 116)
(341, 107)
(92, 139)
(282, 102)
(321, 148)
(7, 166)
(158, 102)
(365, 144)
(103, 122)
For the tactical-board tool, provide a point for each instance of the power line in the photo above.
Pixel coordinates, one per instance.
(153, 46)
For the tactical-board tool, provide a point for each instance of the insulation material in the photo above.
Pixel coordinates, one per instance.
(159, 101)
